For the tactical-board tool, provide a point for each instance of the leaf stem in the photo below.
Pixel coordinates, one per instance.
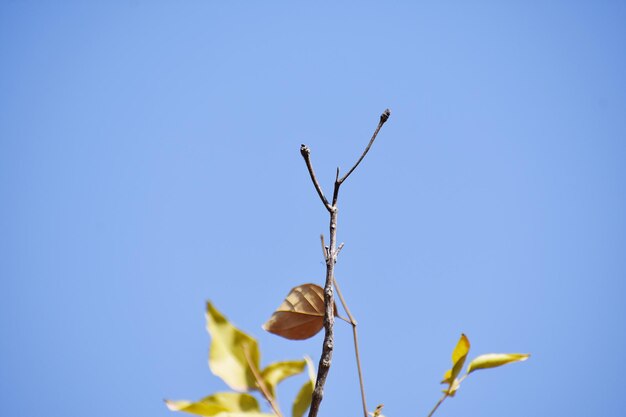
(259, 380)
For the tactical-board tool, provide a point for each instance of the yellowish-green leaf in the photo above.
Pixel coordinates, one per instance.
(459, 355)
(303, 399)
(253, 414)
(223, 402)
(274, 373)
(493, 360)
(227, 355)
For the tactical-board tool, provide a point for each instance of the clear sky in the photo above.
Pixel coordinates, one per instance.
(149, 161)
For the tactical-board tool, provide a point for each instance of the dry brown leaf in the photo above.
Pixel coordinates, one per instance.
(301, 315)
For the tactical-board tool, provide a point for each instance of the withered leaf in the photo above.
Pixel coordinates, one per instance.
(301, 314)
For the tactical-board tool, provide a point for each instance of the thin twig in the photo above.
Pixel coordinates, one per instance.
(338, 181)
(344, 304)
(441, 400)
(306, 154)
(383, 118)
(259, 380)
(342, 318)
(339, 250)
(356, 346)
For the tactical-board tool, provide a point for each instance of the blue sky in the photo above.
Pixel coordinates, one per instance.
(149, 161)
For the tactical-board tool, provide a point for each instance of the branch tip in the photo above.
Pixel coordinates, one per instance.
(385, 116)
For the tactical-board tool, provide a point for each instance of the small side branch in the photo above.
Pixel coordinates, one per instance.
(306, 154)
(356, 345)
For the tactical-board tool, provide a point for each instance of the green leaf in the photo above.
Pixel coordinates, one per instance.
(274, 373)
(227, 357)
(303, 399)
(493, 360)
(223, 402)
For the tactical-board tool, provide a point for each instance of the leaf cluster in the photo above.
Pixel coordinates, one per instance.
(235, 357)
(490, 360)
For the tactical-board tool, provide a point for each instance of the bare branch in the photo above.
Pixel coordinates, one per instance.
(343, 318)
(306, 154)
(330, 253)
(383, 118)
(344, 304)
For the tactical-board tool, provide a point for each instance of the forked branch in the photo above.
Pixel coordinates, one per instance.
(331, 253)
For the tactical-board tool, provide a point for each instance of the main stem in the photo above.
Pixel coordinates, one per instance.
(329, 317)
